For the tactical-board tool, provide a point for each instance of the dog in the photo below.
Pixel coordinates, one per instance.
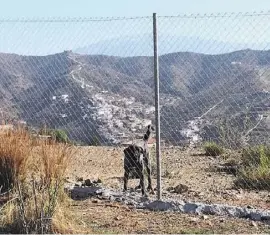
(137, 159)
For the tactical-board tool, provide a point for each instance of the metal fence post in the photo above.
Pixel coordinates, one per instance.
(157, 111)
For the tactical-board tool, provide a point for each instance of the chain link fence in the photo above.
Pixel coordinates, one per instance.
(214, 72)
(94, 79)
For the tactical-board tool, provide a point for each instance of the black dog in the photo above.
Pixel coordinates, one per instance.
(137, 159)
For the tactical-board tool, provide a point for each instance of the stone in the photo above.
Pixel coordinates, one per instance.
(222, 220)
(118, 199)
(88, 182)
(190, 207)
(170, 188)
(180, 188)
(139, 202)
(99, 181)
(255, 216)
(80, 179)
(159, 206)
(78, 184)
(254, 224)
(194, 220)
(205, 217)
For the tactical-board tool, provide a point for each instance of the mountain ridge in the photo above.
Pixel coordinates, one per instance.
(112, 98)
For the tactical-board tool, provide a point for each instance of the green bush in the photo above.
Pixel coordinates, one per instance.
(60, 136)
(253, 178)
(257, 155)
(57, 134)
(255, 170)
(212, 149)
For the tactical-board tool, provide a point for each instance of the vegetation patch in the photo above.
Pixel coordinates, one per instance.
(212, 149)
(57, 135)
(255, 170)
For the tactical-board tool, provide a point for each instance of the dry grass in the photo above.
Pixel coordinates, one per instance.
(34, 175)
(15, 149)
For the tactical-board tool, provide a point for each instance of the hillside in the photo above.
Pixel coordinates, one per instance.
(108, 99)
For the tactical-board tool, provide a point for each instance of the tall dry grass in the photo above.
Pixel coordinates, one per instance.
(34, 177)
(15, 149)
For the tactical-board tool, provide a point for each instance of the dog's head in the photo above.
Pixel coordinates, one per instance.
(150, 128)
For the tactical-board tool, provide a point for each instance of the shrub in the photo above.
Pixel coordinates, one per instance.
(212, 149)
(255, 170)
(253, 178)
(60, 136)
(35, 178)
(257, 155)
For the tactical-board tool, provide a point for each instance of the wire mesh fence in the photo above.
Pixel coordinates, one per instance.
(88, 96)
(214, 72)
(94, 79)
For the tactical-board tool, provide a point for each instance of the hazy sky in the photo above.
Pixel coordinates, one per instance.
(97, 8)
(39, 37)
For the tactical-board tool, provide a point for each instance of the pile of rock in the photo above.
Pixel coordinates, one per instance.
(134, 198)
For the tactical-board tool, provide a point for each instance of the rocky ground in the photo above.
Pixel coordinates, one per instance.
(136, 200)
(99, 216)
(198, 174)
(191, 183)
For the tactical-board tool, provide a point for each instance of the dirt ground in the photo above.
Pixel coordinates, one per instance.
(189, 167)
(105, 217)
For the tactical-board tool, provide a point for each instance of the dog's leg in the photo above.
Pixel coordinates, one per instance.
(126, 174)
(148, 169)
(141, 179)
(142, 184)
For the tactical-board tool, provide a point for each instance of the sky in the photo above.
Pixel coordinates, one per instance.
(130, 37)
(114, 8)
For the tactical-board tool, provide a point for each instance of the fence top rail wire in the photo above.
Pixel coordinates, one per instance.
(218, 15)
(68, 19)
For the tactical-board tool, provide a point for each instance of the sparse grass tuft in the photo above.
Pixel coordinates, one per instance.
(213, 149)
